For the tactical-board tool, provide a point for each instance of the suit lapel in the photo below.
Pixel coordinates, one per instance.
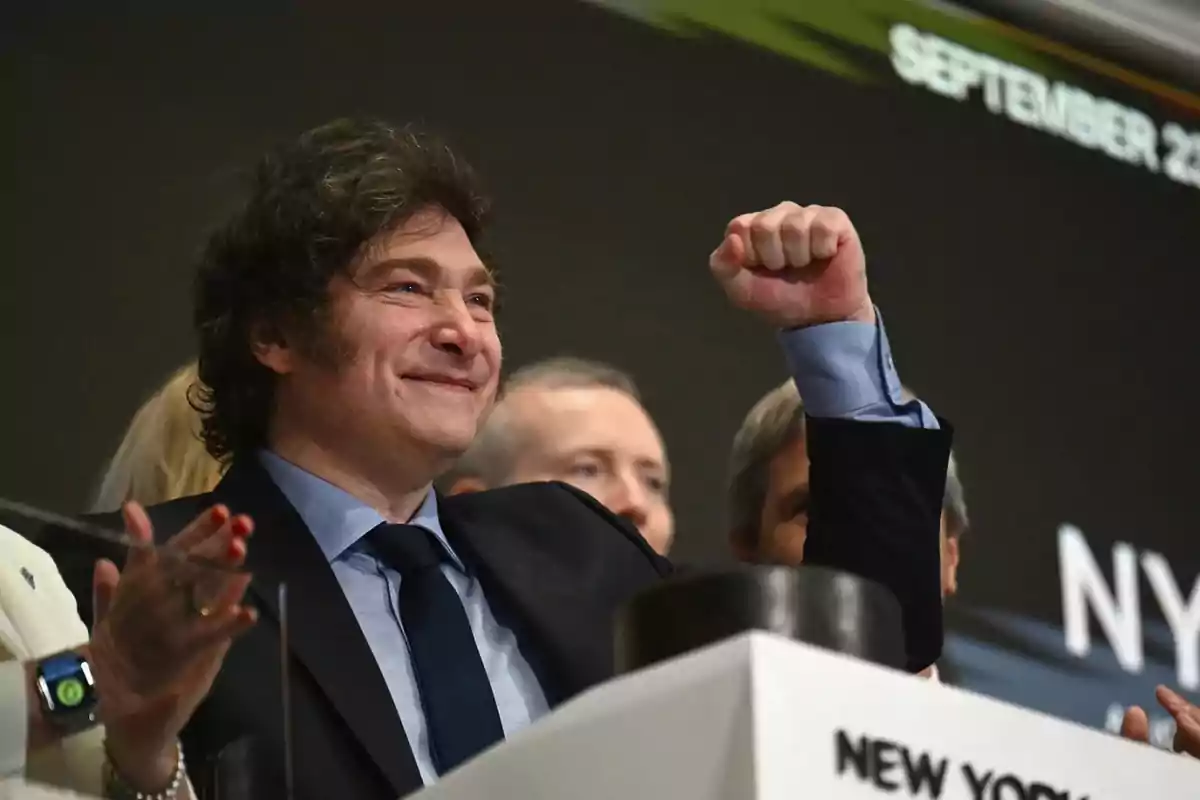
(555, 620)
(323, 633)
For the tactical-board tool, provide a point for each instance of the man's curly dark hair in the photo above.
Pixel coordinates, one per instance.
(313, 206)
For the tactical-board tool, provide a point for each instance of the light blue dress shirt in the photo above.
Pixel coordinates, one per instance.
(846, 370)
(339, 522)
(841, 369)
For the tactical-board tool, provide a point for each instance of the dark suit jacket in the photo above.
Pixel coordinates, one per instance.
(555, 566)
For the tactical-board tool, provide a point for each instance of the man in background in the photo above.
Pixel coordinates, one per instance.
(768, 492)
(768, 488)
(580, 422)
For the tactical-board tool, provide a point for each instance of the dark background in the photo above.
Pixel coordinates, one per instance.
(1038, 294)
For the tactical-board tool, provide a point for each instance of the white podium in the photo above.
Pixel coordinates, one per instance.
(763, 717)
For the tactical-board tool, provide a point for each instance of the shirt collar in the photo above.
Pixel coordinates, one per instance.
(337, 519)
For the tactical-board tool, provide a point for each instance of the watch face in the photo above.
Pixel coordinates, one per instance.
(66, 686)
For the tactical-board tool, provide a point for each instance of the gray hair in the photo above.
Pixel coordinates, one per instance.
(772, 424)
(490, 457)
(569, 372)
(954, 502)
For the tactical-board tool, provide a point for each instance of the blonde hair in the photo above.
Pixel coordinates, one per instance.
(162, 456)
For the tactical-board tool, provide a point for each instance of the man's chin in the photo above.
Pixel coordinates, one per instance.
(449, 441)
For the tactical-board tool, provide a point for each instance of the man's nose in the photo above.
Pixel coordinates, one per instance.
(631, 500)
(456, 331)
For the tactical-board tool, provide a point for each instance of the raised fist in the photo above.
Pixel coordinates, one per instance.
(795, 266)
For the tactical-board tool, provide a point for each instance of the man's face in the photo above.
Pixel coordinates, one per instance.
(410, 358)
(949, 546)
(600, 440)
(784, 520)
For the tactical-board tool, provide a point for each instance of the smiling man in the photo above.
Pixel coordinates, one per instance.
(348, 343)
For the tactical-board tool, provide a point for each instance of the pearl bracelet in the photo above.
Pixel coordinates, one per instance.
(117, 788)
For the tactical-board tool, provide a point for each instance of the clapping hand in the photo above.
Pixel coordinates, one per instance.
(162, 627)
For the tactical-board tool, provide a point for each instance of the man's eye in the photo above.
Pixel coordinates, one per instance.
(585, 470)
(656, 484)
(406, 287)
(482, 300)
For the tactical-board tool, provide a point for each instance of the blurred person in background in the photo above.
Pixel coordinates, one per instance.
(580, 422)
(768, 489)
(768, 497)
(101, 715)
(162, 456)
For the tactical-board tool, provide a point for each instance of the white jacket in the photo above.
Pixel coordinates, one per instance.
(38, 617)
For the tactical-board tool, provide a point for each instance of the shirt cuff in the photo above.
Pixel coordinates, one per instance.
(845, 370)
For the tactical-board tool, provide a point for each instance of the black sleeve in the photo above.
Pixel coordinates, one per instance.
(875, 509)
(627, 529)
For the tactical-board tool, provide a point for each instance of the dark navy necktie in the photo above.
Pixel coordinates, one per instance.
(460, 710)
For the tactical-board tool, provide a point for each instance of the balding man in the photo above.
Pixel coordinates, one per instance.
(581, 422)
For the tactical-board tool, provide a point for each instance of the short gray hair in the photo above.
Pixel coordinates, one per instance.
(491, 456)
(569, 372)
(773, 423)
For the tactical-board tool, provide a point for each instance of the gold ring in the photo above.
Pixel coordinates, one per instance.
(199, 608)
(189, 591)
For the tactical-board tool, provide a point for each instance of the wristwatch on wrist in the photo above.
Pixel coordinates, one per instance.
(67, 691)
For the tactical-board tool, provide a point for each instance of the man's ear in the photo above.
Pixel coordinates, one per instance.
(271, 349)
(466, 485)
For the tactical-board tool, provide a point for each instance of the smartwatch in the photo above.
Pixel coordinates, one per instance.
(67, 691)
